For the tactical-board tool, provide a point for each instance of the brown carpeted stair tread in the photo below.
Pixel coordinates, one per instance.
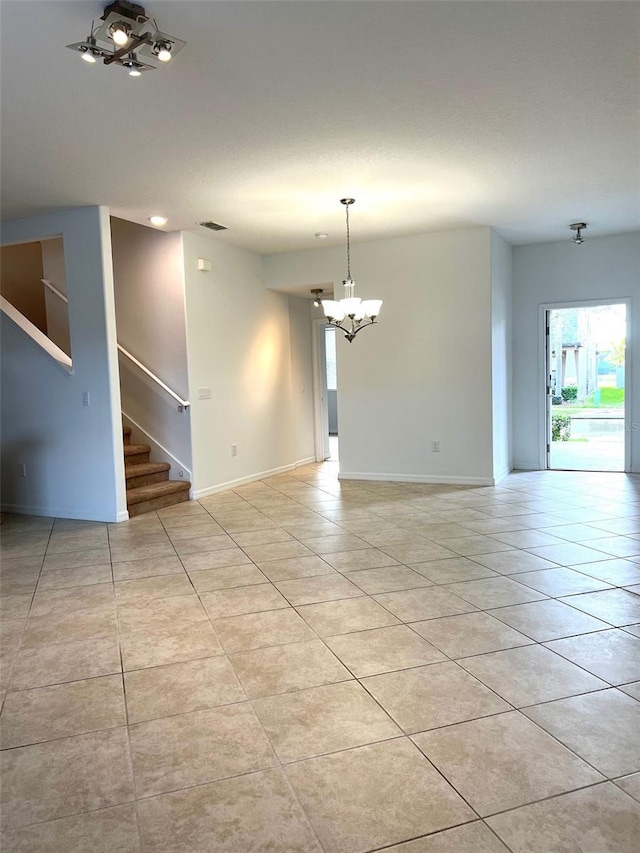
(135, 449)
(142, 469)
(156, 490)
(148, 484)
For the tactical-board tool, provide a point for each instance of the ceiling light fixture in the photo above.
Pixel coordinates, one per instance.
(320, 235)
(317, 294)
(351, 310)
(135, 67)
(158, 220)
(126, 35)
(163, 51)
(578, 227)
(119, 33)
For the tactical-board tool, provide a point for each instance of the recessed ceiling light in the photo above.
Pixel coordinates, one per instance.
(158, 220)
(320, 235)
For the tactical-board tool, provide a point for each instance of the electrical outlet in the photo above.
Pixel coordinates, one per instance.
(22, 469)
(86, 400)
(435, 447)
(234, 449)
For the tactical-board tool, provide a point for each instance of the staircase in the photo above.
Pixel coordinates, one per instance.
(148, 484)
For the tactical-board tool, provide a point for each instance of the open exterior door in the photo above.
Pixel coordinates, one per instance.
(549, 387)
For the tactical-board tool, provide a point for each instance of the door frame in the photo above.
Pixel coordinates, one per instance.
(544, 398)
(320, 401)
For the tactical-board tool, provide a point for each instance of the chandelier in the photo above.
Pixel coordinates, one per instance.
(351, 314)
(127, 38)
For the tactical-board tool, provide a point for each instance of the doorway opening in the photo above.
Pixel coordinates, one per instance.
(585, 387)
(331, 368)
(325, 376)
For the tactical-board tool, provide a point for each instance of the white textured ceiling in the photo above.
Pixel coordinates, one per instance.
(433, 115)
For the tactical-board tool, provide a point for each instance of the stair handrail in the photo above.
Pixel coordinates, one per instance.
(182, 404)
(54, 289)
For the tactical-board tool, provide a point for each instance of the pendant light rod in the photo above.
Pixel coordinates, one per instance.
(347, 202)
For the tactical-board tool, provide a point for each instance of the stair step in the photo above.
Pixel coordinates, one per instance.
(126, 435)
(146, 473)
(156, 496)
(133, 449)
(136, 453)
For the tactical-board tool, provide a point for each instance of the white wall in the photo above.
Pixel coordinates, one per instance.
(301, 377)
(423, 373)
(501, 347)
(560, 272)
(150, 309)
(72, 453)
(241, 346)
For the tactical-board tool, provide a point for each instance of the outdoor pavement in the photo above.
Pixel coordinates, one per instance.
(601, 441)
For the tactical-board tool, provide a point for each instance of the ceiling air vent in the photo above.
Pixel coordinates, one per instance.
(214, 226)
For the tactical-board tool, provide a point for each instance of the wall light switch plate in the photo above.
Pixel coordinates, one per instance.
(204, 393)
(204, 265)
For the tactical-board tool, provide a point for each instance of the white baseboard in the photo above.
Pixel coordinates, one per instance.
(418, 478)
(526, 466)
(251, 478)
(310, 460)
(504, 472)
(62, 512)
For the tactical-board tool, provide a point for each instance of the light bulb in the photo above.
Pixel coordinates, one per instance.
(88, 57)
(158, 220)
(164, 54)
(135, 73)
(119, 34)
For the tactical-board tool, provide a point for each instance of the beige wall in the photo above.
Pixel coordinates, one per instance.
(250, 347)
(424, 372)
(20, 274)
(150, 313)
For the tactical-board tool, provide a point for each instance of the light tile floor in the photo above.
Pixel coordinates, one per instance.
(304, 665)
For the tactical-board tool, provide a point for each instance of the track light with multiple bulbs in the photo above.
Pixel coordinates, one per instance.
(128, 38)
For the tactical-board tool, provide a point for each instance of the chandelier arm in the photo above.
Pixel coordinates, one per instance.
(130, 47)
(356, 326)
